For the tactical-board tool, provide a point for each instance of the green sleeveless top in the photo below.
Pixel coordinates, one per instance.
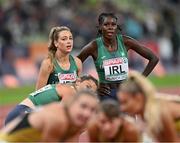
(60, 75)
(45, 95)
(112, 67)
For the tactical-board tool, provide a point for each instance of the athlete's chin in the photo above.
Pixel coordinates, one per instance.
(80, 123)
(68, 50)
(109, 37)
(109, 134)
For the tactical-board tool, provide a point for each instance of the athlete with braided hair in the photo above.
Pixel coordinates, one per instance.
(109, 52)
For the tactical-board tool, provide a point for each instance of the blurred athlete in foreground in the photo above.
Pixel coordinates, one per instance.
(52, 93)
(54, 122)
(110, 126)
(137, 97)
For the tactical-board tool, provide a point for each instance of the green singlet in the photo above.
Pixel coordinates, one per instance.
(60, 75)
(45, 95)
(111, 66)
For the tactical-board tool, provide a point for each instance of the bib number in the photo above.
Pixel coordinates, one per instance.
(116, 69)
(67, 78)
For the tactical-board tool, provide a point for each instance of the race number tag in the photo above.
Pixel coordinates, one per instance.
(116, 69)
(67, 78)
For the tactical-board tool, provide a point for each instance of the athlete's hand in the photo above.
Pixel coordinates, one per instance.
(78, 80)
(104, 90)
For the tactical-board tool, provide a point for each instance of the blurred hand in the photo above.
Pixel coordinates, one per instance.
(104, 90)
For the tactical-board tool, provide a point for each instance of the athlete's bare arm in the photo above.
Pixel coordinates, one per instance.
(168, 131)
(45, 70)
(79, 65)
(53, 131)
(66, 92)
(51, 121)
(91, 50)
(131, 133)
(174, 109)
(88, 50)
(93, 131)
(131, 43)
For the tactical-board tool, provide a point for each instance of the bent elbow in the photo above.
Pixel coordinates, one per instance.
(155, 59)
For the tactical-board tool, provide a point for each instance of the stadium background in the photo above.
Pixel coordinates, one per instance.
(25, 25)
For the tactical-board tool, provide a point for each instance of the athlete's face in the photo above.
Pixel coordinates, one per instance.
(82, 109)
(87, 84)
(129, 103)
(109, 27)
(108, 127)
(64, 42)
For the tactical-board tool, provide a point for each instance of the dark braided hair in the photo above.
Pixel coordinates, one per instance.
(101, 18)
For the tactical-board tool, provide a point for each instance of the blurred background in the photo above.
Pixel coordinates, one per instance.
(25, 26)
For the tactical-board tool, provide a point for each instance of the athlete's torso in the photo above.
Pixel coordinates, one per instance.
(45, 95)
(60, 75)
(112, 67)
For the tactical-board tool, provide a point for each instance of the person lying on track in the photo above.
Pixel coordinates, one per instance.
(53, 122)
(51, 93)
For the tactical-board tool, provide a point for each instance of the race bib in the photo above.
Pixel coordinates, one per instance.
(67, 78)
(116, 69)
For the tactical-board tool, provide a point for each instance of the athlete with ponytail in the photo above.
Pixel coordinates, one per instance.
(109, 52)
(60, 66)
(158, 118)
(54, 122)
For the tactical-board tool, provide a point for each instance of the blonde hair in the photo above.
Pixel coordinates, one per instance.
(53, 36)
(152, 114)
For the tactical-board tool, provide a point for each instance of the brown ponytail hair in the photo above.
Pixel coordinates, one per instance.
(53, 36)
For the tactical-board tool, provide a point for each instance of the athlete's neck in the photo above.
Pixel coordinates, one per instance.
(61, 57)
(109, 43)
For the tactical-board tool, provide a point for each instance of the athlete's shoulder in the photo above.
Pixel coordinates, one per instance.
(128, 39)
(92, 44)
(77, 60)
(52, 122)
(130, 125)
(47, 64)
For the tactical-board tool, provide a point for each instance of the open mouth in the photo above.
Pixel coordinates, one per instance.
(69, 47)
